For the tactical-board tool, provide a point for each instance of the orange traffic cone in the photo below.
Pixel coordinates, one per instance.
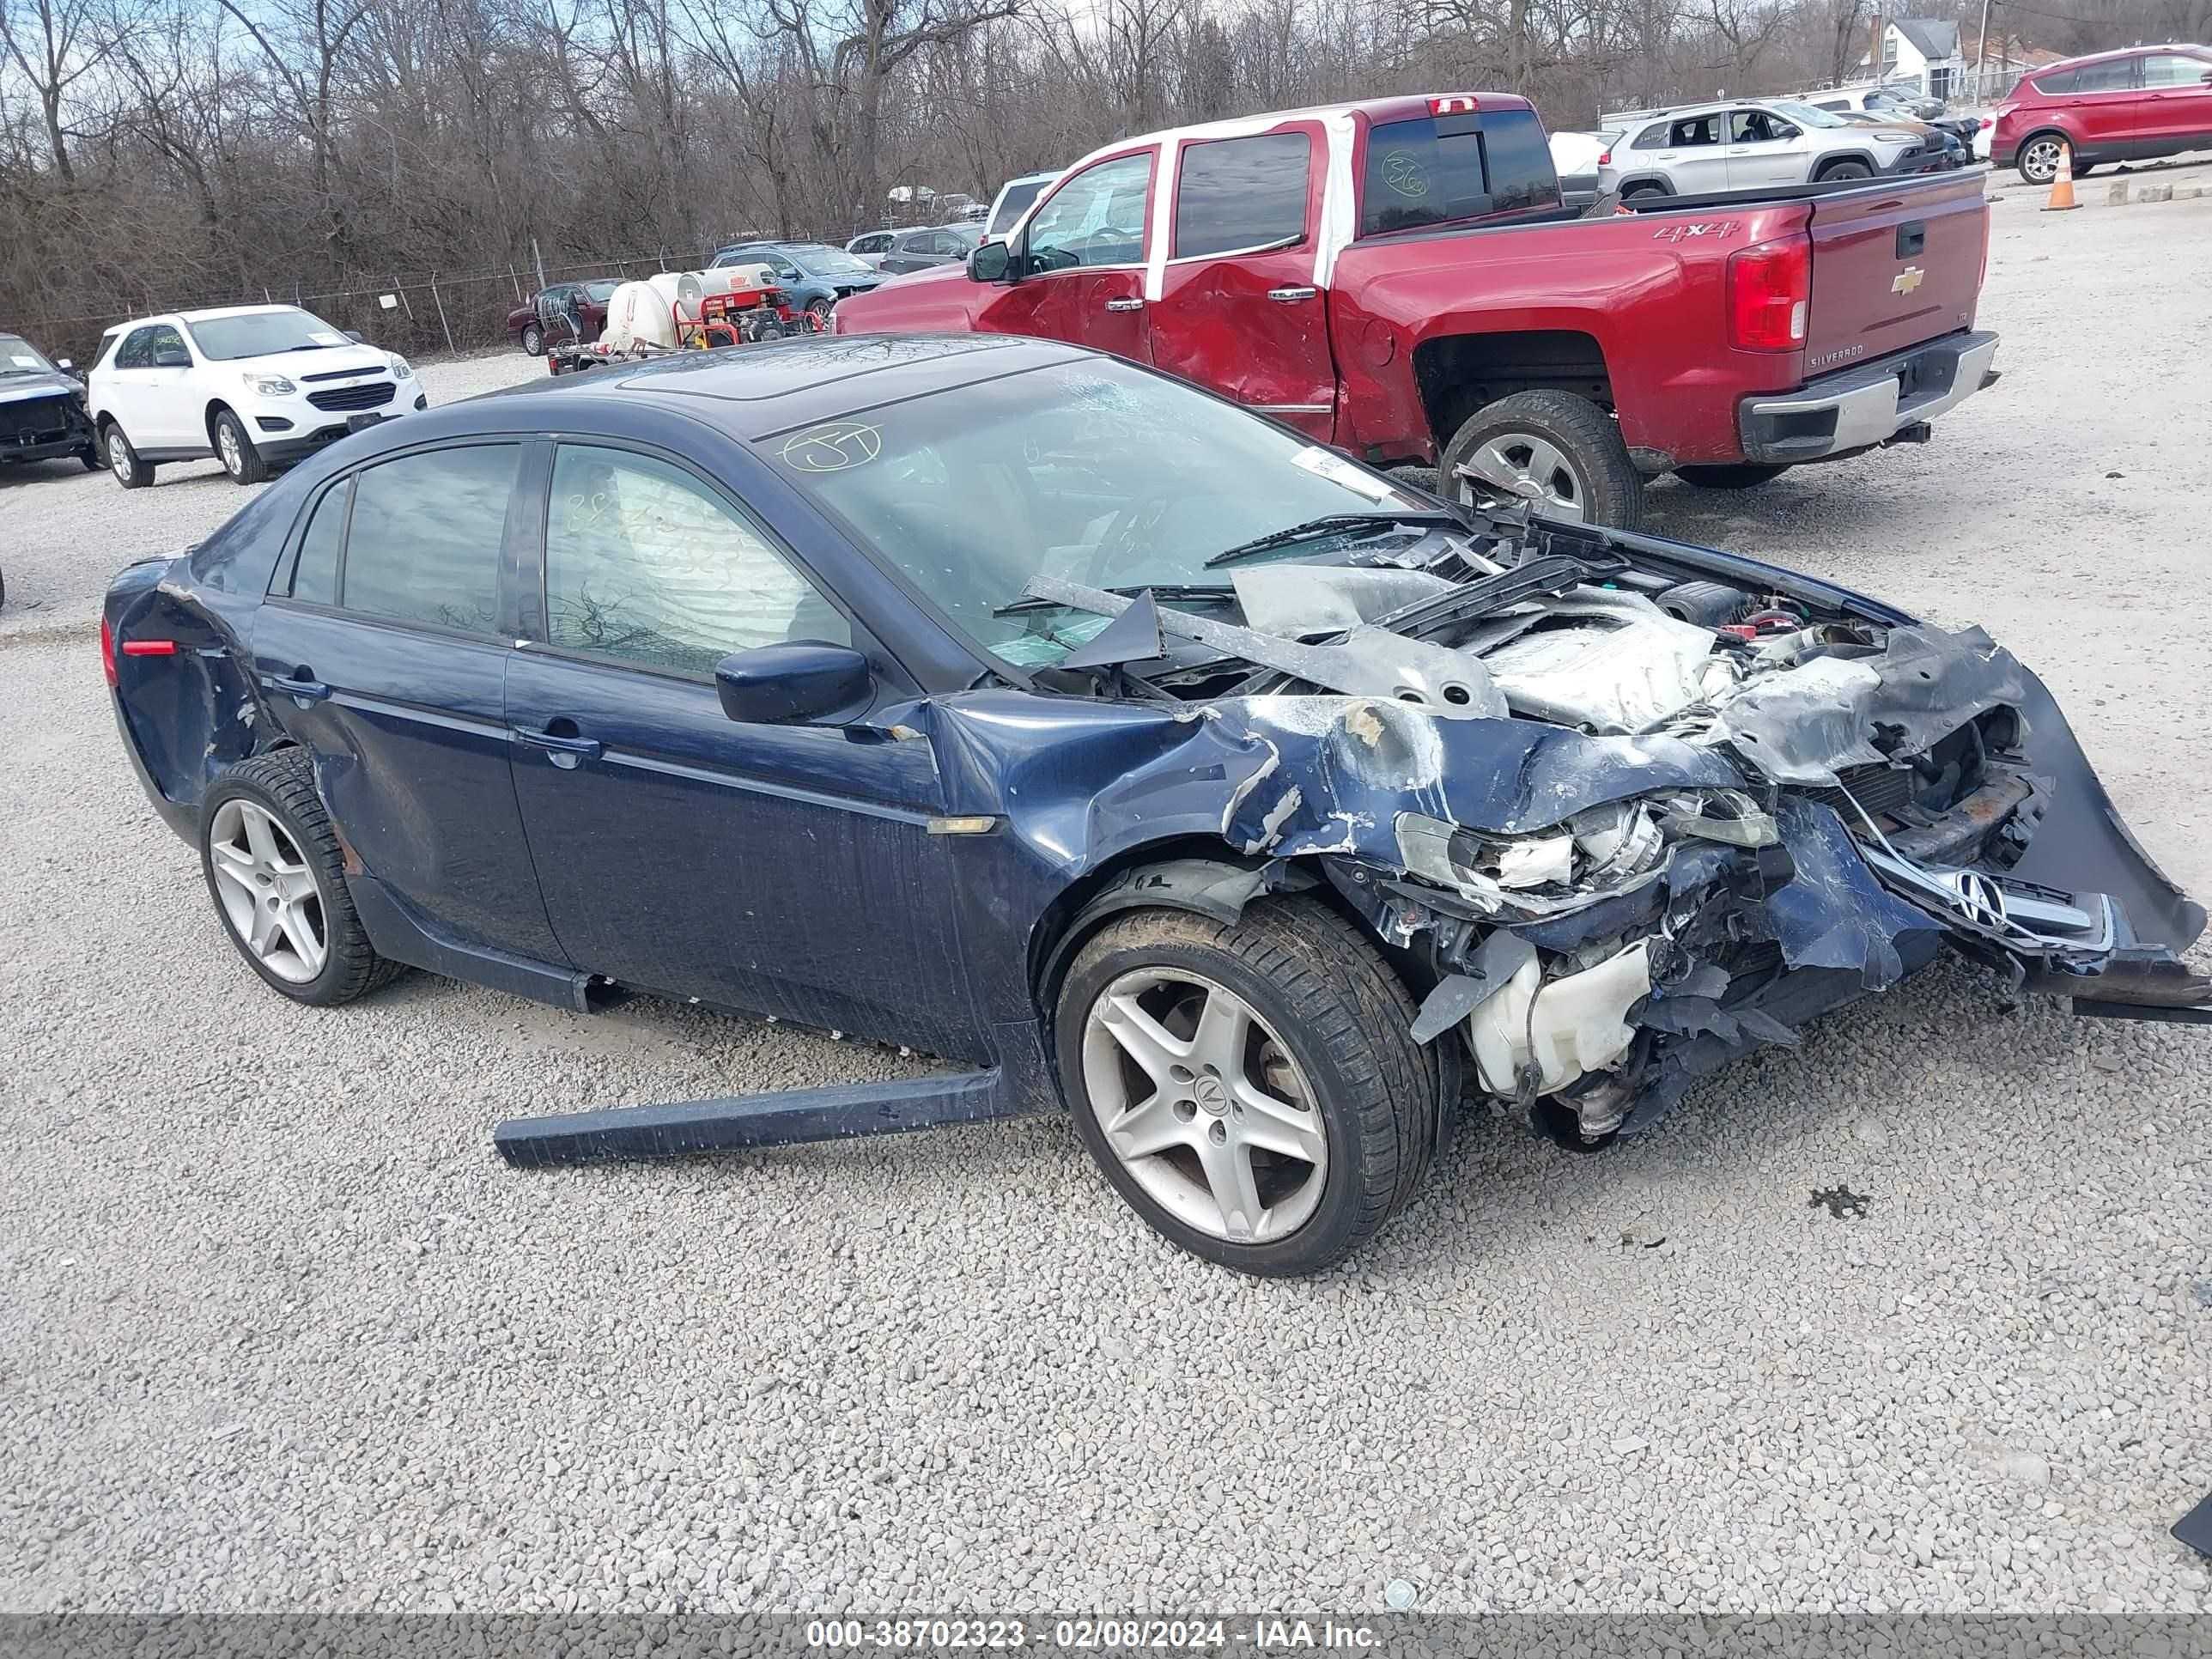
(2062, 184)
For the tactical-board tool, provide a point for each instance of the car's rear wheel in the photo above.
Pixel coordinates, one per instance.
(1553, 451)
(2037, 160)
(1746, 475)
(274, 869)
(123, 461)
(1642, 192)
(1250, 1087)
(533, 340)
(236, 452)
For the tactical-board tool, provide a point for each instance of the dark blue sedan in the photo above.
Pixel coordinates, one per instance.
(1048, 714)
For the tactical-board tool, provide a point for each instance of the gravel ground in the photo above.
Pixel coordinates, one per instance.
(284, 1335)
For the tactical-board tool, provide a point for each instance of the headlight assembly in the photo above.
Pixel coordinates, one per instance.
(270, 386)
(399, 369)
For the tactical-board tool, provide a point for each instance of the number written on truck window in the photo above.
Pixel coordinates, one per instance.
(1435, 170)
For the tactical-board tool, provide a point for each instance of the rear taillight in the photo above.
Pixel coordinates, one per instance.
(1770, 290)
(108, 651)
(1605, 158)
(149, 647)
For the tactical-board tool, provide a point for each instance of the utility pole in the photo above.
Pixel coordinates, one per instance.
(1982, 57)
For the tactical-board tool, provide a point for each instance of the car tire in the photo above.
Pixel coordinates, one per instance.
(1328, 1037)
(1560, 452)
(1642, 192)
(123, 461)
(235, 450)
(533, 340)
(1836, 171)
(2037, 160)
(276, 874)
(1742, 475)
(819, 310)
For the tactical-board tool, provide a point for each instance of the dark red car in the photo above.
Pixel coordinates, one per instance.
(2111, 107)
(524, 324)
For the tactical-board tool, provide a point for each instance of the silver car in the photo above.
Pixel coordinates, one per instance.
(1746, 144)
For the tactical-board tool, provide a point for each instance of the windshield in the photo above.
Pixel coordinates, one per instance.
(602, 290)
(1014, 201)
(1806, 115)
(19, 356)
(826, 261)
(258, 333)
(1097, 471)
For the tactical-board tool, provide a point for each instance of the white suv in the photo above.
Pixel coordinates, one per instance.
(1749, 145)
(255, 387)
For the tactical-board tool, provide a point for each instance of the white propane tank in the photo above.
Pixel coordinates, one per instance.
(638, 314)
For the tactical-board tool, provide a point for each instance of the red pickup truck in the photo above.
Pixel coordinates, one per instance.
(1399, 279)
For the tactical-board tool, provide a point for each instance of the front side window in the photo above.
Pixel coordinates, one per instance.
(1756, 126)
(2171, 68)
(427, 534)
(1241, 193)
(136, 350)
(1097, 471)
(645, 563)
(1096, 218)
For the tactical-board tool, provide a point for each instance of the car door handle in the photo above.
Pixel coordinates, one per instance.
(1291, 296)
(566, 751)
(301, 684)
(1125, 305)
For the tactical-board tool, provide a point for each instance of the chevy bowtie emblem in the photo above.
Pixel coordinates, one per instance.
(1907, 280)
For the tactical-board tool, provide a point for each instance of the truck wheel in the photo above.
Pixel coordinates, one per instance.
(1746, 475)
(1250, 1088)
(1560, 453)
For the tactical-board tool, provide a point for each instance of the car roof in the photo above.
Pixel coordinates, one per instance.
(2118, 51)
(751, 391)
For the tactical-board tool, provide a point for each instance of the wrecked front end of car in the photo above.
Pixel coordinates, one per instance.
(1635, 810)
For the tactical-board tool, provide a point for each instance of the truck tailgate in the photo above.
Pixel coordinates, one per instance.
(1894, 263)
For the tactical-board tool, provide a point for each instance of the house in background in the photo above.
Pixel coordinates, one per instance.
(1922, 51)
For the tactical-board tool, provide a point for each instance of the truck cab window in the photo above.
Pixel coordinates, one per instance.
(1242, 193)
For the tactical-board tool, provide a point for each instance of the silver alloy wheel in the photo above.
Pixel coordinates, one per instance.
(2039, 160)
(1203, 1106)
(1520, 467)
(534, 341)
(119, 455)
(268, 891)
(226, 440)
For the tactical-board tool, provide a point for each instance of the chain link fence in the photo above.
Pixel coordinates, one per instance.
(423, 312)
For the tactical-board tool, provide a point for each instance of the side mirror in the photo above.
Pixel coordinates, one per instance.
(172, 359)
(64, 364)
(990, 263)
(790, 685)
(2208, 77)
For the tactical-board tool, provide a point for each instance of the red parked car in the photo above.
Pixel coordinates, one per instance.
(2112, 107)
(1399, 279)
(526, 326)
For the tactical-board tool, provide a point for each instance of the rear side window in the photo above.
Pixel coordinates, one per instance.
(1696, 130)
(2053, 85)
(426, 538)
(1242, 193)
(1652, 137)
(315, 575)
(2119, 76)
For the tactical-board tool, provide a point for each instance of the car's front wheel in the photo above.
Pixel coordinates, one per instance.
(274, 868)
(533, 340)
(1839, 172)
(123, 461)
(236, 452)
(819, 310)
(1250, 1087)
